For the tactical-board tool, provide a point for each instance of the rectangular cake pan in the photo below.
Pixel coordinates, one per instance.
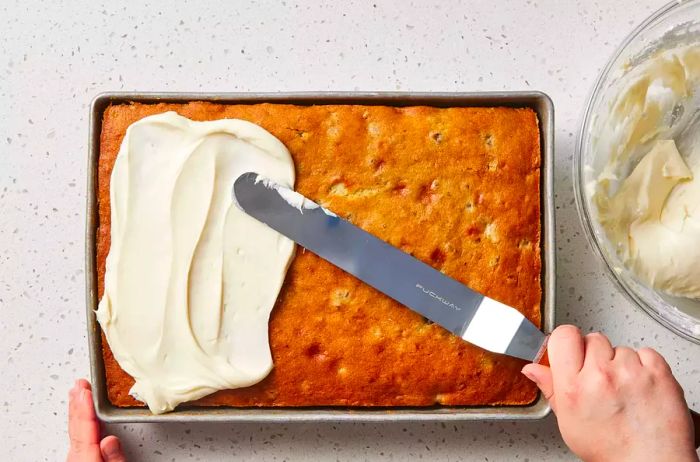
(109, 413)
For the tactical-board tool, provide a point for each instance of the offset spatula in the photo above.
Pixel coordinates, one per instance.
(470, 315)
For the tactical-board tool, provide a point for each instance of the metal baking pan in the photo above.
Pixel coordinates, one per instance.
(109, 413)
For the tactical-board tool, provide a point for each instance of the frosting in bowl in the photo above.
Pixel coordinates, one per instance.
(647, 191)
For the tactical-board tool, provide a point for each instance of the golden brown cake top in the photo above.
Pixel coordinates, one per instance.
(457, 188)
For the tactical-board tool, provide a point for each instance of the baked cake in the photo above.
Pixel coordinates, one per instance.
(458, 188)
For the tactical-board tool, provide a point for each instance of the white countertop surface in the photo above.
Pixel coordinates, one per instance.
(55, 56)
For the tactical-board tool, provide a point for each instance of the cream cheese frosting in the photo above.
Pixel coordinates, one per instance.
(190, 278)
(653, 227)
(648, 192)
(293, 198)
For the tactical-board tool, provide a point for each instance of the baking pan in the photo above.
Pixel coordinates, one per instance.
(109, 413)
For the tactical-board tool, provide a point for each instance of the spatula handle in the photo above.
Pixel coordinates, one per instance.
(542, 357)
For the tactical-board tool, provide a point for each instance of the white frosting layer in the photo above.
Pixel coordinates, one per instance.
(648, 192)
(651, 226)
(293, 198)
(191, 279)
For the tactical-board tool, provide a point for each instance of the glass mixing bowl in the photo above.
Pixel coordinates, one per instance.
(676, 24)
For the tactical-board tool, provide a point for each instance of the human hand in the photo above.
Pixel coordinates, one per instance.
(84, 429)
(614, 404)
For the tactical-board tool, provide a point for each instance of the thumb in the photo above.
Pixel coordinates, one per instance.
(112, 450)
(542, 376)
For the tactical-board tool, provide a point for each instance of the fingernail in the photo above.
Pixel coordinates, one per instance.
(114, 449)
(83, 395)
(530, 376)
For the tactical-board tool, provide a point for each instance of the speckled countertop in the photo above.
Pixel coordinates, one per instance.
(55, 56)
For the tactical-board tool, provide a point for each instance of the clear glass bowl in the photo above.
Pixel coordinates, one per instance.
(676, 24)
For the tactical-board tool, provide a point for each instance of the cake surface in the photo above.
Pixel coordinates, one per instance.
(458, 188)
